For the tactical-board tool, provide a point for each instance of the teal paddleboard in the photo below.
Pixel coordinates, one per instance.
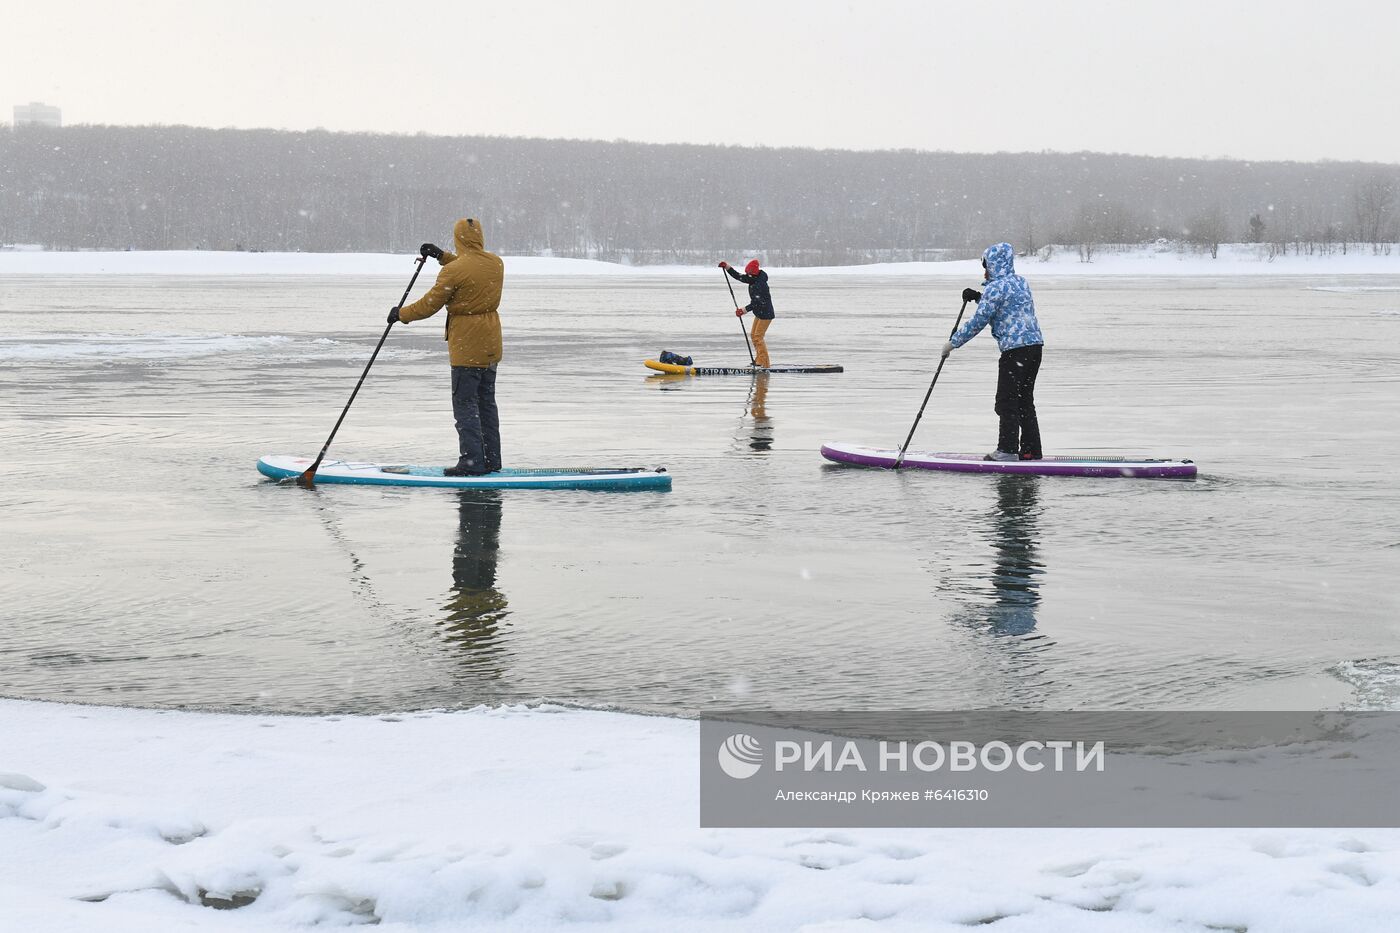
(375, 474)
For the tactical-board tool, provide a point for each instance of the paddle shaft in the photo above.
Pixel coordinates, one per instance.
(741, 320)
(308, 479)
(941, 360)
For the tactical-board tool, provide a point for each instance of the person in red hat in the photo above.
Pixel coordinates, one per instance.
(760, 303)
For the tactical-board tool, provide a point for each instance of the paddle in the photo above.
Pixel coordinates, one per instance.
(307, 480)
(905, 446)
(741, 320)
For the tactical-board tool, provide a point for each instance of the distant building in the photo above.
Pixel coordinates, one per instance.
(37, 114)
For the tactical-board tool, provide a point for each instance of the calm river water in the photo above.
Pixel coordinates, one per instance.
(143, 561)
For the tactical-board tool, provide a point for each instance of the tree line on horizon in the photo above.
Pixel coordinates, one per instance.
(181, 187)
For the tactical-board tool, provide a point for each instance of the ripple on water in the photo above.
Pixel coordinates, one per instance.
(1376, 682)
(117, 347)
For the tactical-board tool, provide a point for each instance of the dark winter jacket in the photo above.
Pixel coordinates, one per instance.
(760, 301)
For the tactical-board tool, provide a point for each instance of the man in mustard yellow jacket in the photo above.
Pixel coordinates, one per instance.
(469, 286)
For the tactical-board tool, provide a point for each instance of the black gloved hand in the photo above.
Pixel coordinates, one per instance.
(393, 315)
(430, 251)
(971, 294)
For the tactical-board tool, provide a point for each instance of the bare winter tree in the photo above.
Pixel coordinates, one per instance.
(1206, 231)
(1373, 199)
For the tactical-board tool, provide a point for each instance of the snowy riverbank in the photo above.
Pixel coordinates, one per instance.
(1234, 259)
(126, 820)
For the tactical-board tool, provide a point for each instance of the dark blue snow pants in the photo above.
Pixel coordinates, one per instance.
(478, 422)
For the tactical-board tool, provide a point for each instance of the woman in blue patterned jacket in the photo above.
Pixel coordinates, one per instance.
(1006, 303)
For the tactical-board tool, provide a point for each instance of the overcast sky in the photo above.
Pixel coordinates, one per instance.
(1255, 80)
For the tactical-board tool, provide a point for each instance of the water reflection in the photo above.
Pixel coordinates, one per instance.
(761, 428)
(668, 380)
(756, 434)
(1016, 567)
(476, 609)
(999, 597)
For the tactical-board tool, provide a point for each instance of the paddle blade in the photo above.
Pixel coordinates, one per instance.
(307, 480)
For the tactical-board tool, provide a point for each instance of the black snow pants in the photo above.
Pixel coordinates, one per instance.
(1020, 431)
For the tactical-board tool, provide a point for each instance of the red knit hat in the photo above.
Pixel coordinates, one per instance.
(751, 268)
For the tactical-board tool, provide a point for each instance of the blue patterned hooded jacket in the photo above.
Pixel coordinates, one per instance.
(1006, 303)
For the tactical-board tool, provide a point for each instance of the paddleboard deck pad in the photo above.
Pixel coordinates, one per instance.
(374, 474)
(974, 463)
(740, 370)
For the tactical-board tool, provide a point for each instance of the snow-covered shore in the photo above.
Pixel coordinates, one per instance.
(533, 819)
(1234, 259)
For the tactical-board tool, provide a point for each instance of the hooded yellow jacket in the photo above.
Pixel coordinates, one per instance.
(469, 285)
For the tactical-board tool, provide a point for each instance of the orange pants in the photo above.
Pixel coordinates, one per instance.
(760, 349)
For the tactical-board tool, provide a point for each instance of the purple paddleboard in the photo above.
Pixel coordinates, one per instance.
(1049, 466)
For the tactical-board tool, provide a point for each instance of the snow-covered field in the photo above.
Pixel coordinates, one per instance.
(1234, 259)
(534, 819)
